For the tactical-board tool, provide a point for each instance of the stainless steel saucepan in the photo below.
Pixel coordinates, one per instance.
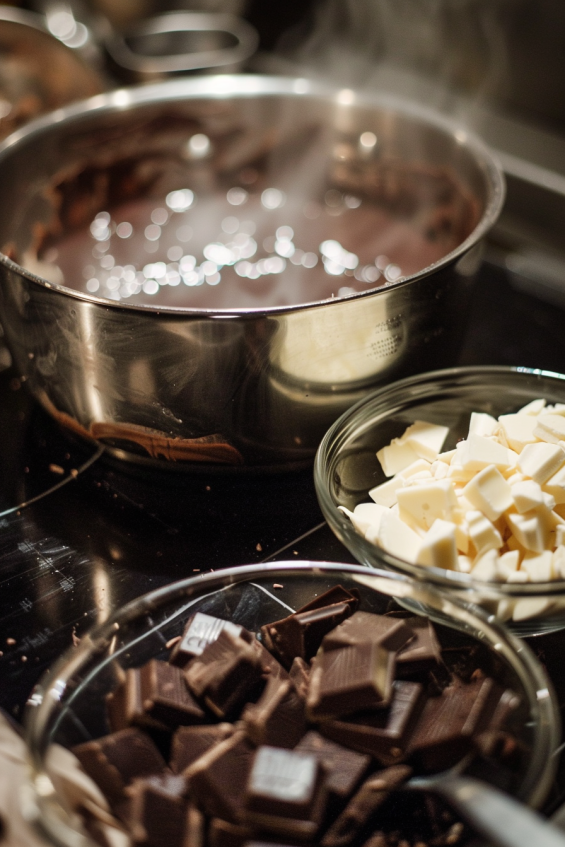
(211, 270)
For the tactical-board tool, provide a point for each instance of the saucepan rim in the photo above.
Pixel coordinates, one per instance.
(225, 86)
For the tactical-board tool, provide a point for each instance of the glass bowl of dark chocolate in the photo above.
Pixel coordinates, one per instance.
(285, 703)
(347, 469)
(211, 270)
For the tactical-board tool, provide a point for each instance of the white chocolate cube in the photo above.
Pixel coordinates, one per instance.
(533, 408)
(529, 530)
(364, 516)
(397, 538)
(555, 485)
(426, 502)
(539, 567)
(477, 452)
(482, 424)
(550, 428)
(527, 495)
(482, 533)
(438, 547)
(489, 492)
(396, 456)
(426, 439)
(541, 461)
(485, 567)
(519, 430)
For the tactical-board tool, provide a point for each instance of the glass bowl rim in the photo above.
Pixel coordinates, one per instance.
(343, 428)
(518, 655)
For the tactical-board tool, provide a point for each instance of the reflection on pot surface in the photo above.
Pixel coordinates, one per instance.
(258, 246)
(207, 261)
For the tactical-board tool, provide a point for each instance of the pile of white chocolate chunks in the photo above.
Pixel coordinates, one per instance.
(493, 507)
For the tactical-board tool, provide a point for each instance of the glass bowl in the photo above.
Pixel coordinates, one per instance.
(67, 707)
(346, 468)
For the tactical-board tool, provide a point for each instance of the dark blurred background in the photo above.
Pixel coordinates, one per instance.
(509, 54)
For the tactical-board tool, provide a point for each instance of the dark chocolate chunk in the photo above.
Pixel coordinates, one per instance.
(301, 633)
(392, 634)
(195, 831)
(191, 742)
(270, 665)
(278, 718)
(286, 793)
(300, 675)
(382, 733)
(153, 696)
(497, 744)
(218, 779)
(158, 810)
(422, 653)
(201, 630)
(114, 760)
(344, 768)
(509, 701)
(349, 680)
(226, 675)
(361, 809)
(335, 594)
(448, 723)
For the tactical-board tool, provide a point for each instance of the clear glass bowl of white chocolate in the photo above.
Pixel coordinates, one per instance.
(457, 477)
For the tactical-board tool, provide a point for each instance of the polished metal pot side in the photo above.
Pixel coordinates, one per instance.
(248, 388)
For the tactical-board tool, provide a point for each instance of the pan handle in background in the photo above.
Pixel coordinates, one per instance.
(180, 42)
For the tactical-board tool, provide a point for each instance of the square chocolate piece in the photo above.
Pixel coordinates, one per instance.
(381, 733)
(226, 675)
(286, 792)
(391, 633)
(114, 760)
(154, 696)
(201, 630)
(278, 718)
(349, 680)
